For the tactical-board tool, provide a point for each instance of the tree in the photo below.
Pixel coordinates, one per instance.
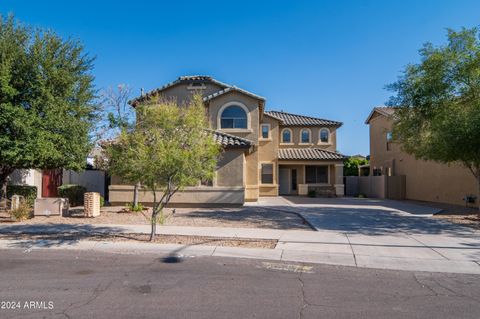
(46, 100)
(118, 115)
(438, 100)
(167, 150)
(351, 164)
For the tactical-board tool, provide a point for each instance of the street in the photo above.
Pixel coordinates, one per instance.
(83, 284)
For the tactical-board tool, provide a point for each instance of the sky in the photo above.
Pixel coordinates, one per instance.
(327, 59)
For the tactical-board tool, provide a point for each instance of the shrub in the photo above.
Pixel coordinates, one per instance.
(24, 211)
(133, 208)
(312, 193)
(102, 201)
(27, 191)
(73, 192)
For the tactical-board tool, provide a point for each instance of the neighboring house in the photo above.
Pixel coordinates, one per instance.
(425, 180)
(48, 181)
(266, 153)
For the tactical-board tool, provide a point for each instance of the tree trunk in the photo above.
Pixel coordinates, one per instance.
(154, 226)
(4, 173)
(478, 190)
(135, 194)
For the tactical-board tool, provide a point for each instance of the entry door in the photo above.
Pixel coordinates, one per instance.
(51, 180)
(284, 181)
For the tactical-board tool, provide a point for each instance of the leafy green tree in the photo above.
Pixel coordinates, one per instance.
(167, 150)
(438, 100)
(46, 100)
(351, 164)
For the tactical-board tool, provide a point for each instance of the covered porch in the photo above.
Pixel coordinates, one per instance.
(304, 170)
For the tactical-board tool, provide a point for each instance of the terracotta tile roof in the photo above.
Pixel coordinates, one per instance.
(383, 110)
(308, 154)
(289, 119)
(230, 89)
(228, 140)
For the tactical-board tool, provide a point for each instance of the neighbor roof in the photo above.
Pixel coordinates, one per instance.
(383, 110)
(192, 78)
(289, 119)
(230, 141)
(308, 154)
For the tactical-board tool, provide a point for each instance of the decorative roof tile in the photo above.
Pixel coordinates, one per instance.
(228, 140)
(308, 154)
(289, 119)
(230, 89)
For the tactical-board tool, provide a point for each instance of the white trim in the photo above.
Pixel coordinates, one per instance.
(193, 87)
(274, 174)
(309, 136)
(291, 137)
(269, 138)
(328, 142)
(223, 107)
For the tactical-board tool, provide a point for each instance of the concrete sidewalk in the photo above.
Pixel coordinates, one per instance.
(417, 252)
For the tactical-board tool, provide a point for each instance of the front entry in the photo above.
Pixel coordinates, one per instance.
(284, 181)
(51, 180)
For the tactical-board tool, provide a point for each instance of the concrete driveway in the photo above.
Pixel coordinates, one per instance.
(381, 234)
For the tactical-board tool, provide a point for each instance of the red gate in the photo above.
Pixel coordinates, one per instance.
(51, 180)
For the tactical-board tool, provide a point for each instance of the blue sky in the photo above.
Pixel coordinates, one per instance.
(330, 59)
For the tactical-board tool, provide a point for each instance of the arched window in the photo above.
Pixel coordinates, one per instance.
(324, 135)
(286, 135)
(233, 116)
(305, 136)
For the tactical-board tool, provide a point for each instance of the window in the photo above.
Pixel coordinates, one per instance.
(316, 174)
(267, 173)
(234, 117)
(265, 131)
(324, 135)
(389, 136)
(286, 136)
(305, 136)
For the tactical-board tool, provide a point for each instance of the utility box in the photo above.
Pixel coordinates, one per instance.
(91, 202)
(53, 206)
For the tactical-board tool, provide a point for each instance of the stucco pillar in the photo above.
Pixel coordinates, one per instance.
(339, 186)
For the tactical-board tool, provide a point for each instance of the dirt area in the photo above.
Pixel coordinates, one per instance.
(244, 217)
(467, 216)
(160, 239)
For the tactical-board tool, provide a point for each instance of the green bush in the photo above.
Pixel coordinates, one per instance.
(28, 192)
(312, 193)
(102, 201)
(73, 192)
(24, 211)
(133, 208)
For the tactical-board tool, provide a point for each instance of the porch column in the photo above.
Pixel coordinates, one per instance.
(339, 186)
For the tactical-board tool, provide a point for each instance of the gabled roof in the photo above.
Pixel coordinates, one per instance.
(230, 141)
(383, 110)
(308, 154)
(289, 119)
(194, 78)
(230, 89)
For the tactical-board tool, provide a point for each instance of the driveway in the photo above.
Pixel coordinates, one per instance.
(381, 233)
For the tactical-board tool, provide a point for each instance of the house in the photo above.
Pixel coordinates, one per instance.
(266, 153)
(424, 180)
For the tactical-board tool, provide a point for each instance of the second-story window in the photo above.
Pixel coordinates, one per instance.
(265, 131)
(286, 136)
(305, 136)
(234, 117)
(324, 135)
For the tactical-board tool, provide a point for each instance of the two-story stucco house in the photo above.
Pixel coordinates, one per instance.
(424, 180)
(265, 153)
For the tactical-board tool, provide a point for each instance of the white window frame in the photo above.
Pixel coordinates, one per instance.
(309, 137)
(269, 137)
(329, 136)
(236, 103)
(282, 142)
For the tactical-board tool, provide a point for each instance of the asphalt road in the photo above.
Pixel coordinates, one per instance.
(81, 284)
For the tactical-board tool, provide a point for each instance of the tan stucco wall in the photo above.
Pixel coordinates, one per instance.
(182, 94)
(268, 153)
(230, 168)
(425, 180)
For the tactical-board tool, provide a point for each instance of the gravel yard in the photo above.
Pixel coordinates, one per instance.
(244, 217)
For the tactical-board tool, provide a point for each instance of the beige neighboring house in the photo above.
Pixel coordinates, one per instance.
(425, 180)
(265, 153)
